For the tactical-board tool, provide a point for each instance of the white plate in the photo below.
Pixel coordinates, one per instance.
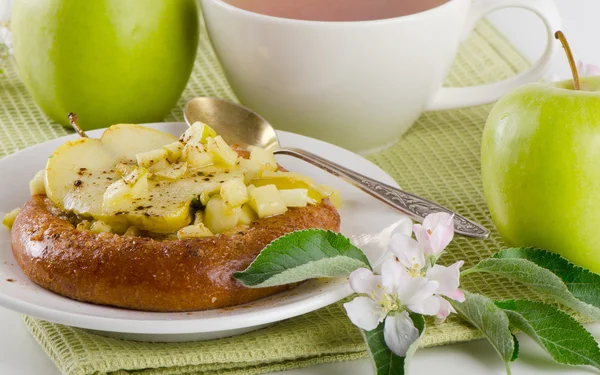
(366, 221)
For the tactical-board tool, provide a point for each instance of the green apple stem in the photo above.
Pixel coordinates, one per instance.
(563, 40)
(73, 121)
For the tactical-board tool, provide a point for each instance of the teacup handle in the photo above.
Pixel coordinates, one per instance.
(454, 97)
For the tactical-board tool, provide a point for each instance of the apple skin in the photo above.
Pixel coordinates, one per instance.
(109, 61)
(540, 162)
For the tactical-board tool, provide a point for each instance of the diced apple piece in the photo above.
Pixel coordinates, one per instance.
(218, 217)
(117, 196)
(100, 226)
(295, 197)
(292, 176)
(221, 151)
(140, 188)
(84, 225)
(9, 218)
(267, 201)
(198, 133)
(149, 158)
(289, 180)
(247, 215)
(199, 217)
(234, 193)
(264, 158)
(123, 169)
(134, 176)
(193, 231)
(251, 169)
(196, 155)
(159, 166)
(174, 151)
(332, 193)
(37, 184)
(132, 232)
(173, 171)
(204, 198)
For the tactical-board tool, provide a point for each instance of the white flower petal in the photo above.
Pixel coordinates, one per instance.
(422, 237)
(445, 310)
(387, 255)
(441, 236)
(407, 250)
(416, 289)
(425, 306)
(399, 333)
(435, 220)
(364, 313)
(447, 277)
(362, 280)
(457, 295)
(394, 276)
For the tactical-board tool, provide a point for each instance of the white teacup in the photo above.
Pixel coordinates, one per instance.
(360, 84)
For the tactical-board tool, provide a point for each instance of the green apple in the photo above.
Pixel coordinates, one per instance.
(109, 61)
(540, 161)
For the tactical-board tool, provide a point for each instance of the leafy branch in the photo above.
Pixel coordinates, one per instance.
(309, 254)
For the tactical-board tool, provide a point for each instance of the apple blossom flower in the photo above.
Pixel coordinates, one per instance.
(388, 299)
(410, 281)
(419, 257)
(435, 233)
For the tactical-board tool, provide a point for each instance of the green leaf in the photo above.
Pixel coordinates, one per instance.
(565, 339)
(582, 283)
(483, 314)
(303, 255)
(508, 263)
(384, 361)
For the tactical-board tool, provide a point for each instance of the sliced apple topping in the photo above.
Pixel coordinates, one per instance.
(136, 180)
(37, 184)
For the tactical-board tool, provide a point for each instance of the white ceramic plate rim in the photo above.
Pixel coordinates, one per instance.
(203, 324)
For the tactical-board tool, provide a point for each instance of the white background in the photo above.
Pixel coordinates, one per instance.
(580, 25)
(20, 355)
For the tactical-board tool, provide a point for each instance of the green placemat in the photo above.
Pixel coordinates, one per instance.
(438, 158)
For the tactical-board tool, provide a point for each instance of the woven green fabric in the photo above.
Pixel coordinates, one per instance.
(438, 158)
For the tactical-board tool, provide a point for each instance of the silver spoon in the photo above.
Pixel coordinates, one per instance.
(240, 125)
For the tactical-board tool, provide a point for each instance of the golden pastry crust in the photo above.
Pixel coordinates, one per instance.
(145, 274)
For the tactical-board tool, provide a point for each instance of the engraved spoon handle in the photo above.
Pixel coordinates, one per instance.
(415, 207)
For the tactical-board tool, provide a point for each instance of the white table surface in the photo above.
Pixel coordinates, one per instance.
(21, 355)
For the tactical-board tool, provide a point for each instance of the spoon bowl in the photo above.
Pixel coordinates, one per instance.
(235, 123)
